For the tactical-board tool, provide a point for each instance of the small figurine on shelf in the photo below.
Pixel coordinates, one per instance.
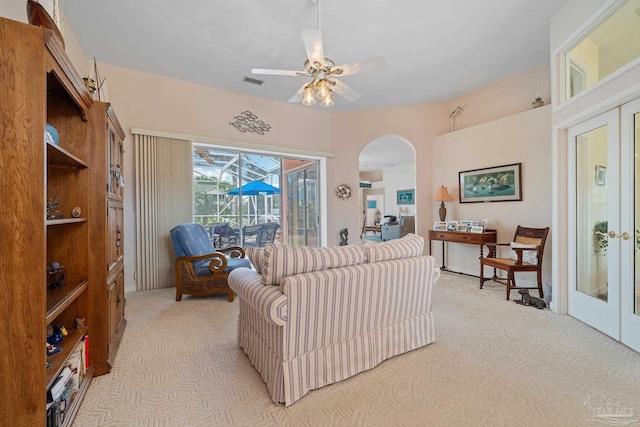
(51, 349)
(52, 209)
(57, 274)
(79, 322)
(55, 334)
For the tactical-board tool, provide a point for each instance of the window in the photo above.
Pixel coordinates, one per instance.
(236, 192)
(607, 48)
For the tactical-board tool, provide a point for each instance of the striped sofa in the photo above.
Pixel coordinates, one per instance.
(310, 317)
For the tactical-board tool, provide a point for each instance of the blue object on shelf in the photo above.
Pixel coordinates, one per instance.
(54, 134)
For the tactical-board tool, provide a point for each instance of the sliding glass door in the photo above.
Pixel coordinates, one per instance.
(235, 193)
(302, 204)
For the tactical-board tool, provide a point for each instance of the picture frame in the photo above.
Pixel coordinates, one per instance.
(466, 223)
(440, 226)
(462, 227)
(371, 204)
(452, 225)
(477, 229)
(601, 175)
(405, 197)
(493, 184)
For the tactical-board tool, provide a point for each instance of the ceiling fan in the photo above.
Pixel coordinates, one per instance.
(323, 70)
(204, 154)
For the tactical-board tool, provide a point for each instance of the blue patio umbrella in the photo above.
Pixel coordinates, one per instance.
(255, 188)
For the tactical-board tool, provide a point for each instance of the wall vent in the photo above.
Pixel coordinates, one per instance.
(253, 81)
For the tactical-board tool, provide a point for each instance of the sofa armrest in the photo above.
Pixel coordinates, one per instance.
(267, 300)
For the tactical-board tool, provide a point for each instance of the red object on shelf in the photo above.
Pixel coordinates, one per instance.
(86, 351)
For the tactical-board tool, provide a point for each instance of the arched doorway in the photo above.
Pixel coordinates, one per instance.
(387, 169)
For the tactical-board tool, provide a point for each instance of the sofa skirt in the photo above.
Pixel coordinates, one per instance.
(289, 380)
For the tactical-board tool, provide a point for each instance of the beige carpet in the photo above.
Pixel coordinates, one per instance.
(494, 363)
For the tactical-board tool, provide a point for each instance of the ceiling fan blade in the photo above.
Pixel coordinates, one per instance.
(298, 96)
(345, 91)
(364, 66)
(279, 72)
(313, 45)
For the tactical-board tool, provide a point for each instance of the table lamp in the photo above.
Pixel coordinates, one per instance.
(442, 195)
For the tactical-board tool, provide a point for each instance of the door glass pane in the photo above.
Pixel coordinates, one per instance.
(591, 213)
(636, 219)
(610, 46)
(302, 202)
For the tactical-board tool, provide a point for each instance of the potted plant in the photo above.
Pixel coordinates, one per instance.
(600, 237)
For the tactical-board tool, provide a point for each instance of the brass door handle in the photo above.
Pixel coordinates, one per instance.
(624, 235)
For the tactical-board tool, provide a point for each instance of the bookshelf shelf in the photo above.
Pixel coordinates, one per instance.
(57, 360)
(58, 299)
(65, 221)
(59, 157)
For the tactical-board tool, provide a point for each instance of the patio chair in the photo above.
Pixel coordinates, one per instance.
(259, 235)
(201, 269)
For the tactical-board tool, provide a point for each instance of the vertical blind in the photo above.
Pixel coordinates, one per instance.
(164, 176)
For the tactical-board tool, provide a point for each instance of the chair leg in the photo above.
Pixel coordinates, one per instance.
(178, 295)
(230, 295)
(510, 282)
(540, 284)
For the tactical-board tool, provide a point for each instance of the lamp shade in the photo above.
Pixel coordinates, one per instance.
(442, 195)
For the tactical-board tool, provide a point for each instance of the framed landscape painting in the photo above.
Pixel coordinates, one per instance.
(495, 184)
(405, 197)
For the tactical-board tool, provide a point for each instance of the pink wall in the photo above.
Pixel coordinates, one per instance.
(153, 102)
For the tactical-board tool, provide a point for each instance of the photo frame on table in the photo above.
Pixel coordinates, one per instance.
(476, 229)
(440, 226)
(462, 227)
(406, 197)
(494, 184)
(452, 225)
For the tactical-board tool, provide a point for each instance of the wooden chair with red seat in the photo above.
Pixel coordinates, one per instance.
(528, 245)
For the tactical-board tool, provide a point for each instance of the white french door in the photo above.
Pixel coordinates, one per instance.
(603, 215)
(630, 217)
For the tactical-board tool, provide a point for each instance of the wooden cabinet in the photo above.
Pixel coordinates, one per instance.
(51, 213)
(106, 139)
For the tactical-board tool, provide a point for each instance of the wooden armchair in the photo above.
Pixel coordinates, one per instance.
(528, 245)
(201, 269)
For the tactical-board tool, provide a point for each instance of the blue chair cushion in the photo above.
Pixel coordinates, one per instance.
(193, 240)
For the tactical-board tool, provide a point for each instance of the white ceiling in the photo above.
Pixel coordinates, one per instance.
(436, 50)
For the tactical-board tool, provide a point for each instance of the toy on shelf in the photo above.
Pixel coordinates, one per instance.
(56, 335)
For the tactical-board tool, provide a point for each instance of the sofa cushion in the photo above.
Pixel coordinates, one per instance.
(256, 256)
(407, 246)
(281, 260)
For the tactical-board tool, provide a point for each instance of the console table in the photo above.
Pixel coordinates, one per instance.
(480, 239)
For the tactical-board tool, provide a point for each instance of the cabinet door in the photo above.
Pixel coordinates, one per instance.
(115, 242)
(116, 160)
(120, 301)
(112, 294)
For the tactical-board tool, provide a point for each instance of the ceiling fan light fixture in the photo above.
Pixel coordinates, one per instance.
(323, 89)
(308, 97)
(327, 101)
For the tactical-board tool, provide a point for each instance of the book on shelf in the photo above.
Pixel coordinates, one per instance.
(58, 387)
(86, 352)
(76, 365)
